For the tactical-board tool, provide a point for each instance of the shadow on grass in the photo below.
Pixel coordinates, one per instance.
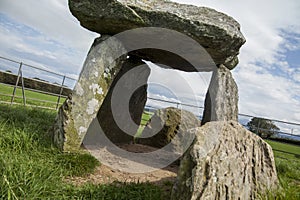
(119, 191)
(297, 155)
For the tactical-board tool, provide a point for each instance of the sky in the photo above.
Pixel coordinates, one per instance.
(45, 34)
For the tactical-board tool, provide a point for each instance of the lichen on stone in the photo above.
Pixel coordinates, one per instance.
(92, 106)
(78, 90)
(96, 89)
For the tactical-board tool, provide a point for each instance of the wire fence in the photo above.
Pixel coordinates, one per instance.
(263, 127)
(21, 88)
(19, 91)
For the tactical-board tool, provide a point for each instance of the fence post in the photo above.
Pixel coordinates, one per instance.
(60, 93)
(23, 88)
(16, 85)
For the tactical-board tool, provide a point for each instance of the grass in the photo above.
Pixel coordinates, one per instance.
(32, 98)
(284, 150)
(145, 118)
(287, 159)
(32, 168)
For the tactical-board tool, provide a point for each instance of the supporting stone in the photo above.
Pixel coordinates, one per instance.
(103, 62)
(167, 123)
(226, 161)
(136, 104)
(221, 102)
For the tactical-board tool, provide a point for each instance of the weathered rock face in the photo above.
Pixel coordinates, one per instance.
(221, 102)
(101, 66)
(218, 33)
(167, 123)
(226, 161)
(58, 130)
(136, 104)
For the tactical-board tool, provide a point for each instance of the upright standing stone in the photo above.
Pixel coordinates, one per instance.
(221, 102)
(136, 104)
(226, 161)
(101, 66)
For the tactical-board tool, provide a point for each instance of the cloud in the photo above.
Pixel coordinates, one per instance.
(52, 18)
(188, 88)
(44, 33)
(268, 83)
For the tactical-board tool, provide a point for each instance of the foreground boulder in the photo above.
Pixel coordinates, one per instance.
(226, 161)
(167, 123)
(221, 101)
(218, 33)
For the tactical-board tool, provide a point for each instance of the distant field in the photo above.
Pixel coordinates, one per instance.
(284, 150)
(287, 159)
(32, 98)
(145, 118)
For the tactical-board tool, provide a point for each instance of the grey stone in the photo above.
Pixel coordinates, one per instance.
(221, 102)
(136, 104)
(102, 64)
(226, 161)
(58, 130)
(218, 33)
(167, 123)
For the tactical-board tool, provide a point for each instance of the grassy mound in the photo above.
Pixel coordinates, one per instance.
(32, 168)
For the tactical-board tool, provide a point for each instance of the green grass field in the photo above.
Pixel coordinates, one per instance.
(287, 159)
(145, 118)
(285, 150)
(32, 98)
(32, 168)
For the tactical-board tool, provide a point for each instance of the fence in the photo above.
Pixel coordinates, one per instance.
(287, 130)
(49, 95)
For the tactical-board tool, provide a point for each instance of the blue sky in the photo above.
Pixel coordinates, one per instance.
(45, 34)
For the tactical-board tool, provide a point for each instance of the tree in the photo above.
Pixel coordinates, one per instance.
(265, 128)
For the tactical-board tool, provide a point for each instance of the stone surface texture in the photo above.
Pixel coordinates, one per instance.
(218, 33)
(137, 102)
(99, 70)
(221, 102)
(226, 161)
(167, 123)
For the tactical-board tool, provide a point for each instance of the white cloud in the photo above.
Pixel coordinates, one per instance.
(268, 85)
(52, 18)
(181, 84)
(56, 39)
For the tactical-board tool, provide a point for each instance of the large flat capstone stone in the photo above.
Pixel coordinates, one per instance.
(218, 33)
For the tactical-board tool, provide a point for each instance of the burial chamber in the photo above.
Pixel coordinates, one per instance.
(171, 35)
(224, 160)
